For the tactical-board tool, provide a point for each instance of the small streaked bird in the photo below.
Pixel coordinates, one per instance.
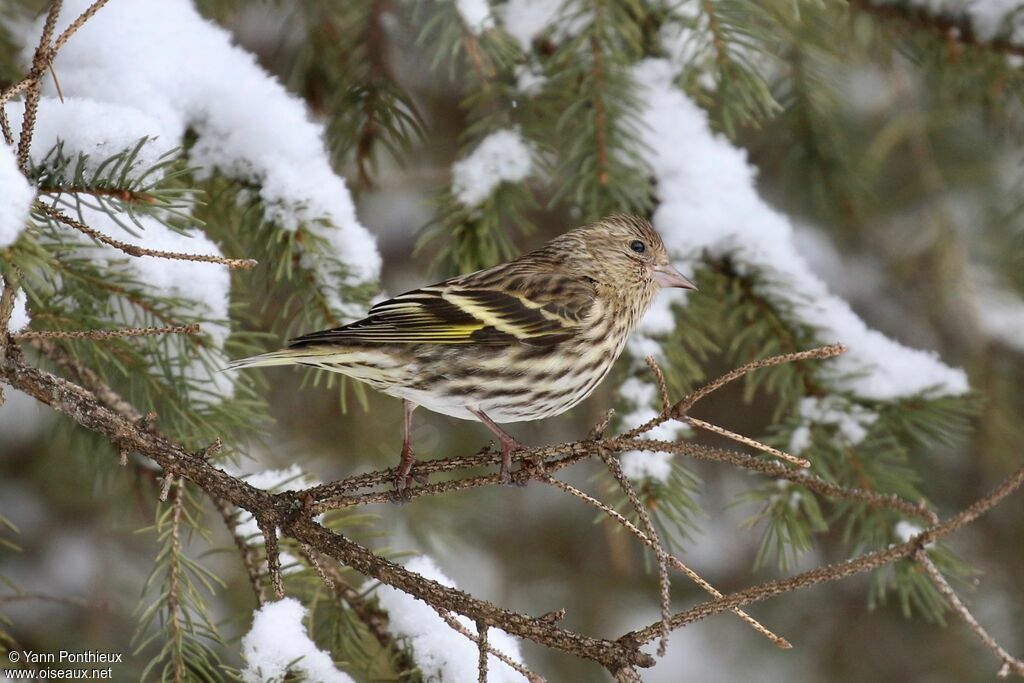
(524, 340)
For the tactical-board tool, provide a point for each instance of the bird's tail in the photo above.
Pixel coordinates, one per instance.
(282, 357)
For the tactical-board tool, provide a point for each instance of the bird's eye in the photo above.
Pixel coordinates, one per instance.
(638, 246)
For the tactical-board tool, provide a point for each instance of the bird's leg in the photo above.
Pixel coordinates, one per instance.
(404, 477)
(509, 444)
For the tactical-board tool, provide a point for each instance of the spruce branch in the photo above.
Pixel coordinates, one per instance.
(287, 512)
(950, 27)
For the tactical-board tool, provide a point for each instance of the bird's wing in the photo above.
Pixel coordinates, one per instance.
(543, 309)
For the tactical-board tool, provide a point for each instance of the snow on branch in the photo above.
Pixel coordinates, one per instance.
(15, 198)
(134, 77)
(501, 157)
(441, 652)
(476, 15)
(709, 205)
(278, 643)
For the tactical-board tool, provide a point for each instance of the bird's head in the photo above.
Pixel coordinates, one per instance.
(625, 250)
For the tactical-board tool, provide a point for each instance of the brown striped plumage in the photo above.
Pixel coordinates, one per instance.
(524, 340)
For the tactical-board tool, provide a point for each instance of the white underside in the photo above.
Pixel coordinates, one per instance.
(438, 404)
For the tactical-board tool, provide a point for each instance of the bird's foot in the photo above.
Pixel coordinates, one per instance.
(407, 474)
(508, 447)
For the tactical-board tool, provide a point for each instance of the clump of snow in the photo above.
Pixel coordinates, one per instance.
(278, 643)
(442, 653)
(501, 157)
(19, 315)
(905, 530)
(644, 466)
(850, 419)
(639, 466)
(529, 81)
(111, 128)
(709, 204)
(16, 197)
(167, 67)
(524, 20)
(1000, 311)
(476, 15)
(990, 18)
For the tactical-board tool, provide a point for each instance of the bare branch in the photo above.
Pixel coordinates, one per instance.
(659, 549)
(102, 335)
(77, 24)
(134, 250)
(291, 513)
(746, 440)
(1010, 663)
(245, 551)
(683, 406)
(485, 648)
(40, 62)
(863, 563)
(672, 560)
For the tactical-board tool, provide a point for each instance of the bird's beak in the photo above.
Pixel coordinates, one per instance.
(667, 276)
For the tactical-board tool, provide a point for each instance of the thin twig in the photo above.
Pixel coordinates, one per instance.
(674, 561)
(659, 375)
(102, 335)
(77, 24)
(57, 599)
(481, 642)
(134, 250)
(862, 563)
(753, 443)
(485, 647)
(1010, 663)
(683, 406)
(173, 602)
(273, 550)
(245, 551)
(659, 549)
(40, 62)
(5, 127)
(778, 471)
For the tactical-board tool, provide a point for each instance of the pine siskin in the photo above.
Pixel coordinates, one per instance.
(524, 340)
